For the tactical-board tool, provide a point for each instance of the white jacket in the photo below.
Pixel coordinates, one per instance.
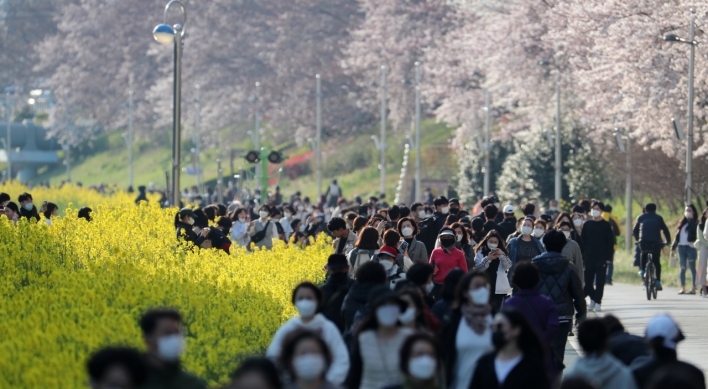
(339, 369)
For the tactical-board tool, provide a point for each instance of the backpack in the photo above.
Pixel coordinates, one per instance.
(260, 235)
(427, 233)
(362, 257)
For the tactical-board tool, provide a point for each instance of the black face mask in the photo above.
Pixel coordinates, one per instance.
(339, 277)
(447, 243)
(454, 211)
(498, 339)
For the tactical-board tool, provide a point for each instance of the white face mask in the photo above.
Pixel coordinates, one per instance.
(408, 316)
(387, 315)
(429, 288)
(422, 367)
(459, 238)
(300, 208)
(526, 230)
(537, 232)
(169, 348)
(492, 246)
(387, 265)
(407, 231)
(480, 296)
(422, 214)
(309, 367)
(288, 215)
(595, 213)
(428, 214)
(445, 210)
(577, 222)
(263, 214)
(306, 308)
(688, 215)
(191, 221)
(242, 219)
(567, 234)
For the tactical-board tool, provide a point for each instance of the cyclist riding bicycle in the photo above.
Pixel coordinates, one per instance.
(647, 232)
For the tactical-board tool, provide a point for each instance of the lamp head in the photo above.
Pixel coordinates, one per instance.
(671, 38)
(164, 33)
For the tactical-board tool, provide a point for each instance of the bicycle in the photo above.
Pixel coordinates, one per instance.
(650, 278)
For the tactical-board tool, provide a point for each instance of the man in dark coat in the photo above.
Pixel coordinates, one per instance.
(598, 245)
(508, 225)
(336, 288)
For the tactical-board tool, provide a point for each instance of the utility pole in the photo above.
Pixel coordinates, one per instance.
(558, 141)
(418, 155)
(628, 199)
(689, 139)
(130, 139)
(382, 188)
(257, 130)
(487, 125)
(198, 140)
(8, 146)
(319, 138)
(220, 182)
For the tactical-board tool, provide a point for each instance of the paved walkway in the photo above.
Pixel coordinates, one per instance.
(630, 305)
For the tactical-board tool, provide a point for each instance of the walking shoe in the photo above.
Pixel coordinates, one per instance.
(658, 285)
(608, 283)
(598, 308)
(591, 307)
(641, 273)
(571, 333)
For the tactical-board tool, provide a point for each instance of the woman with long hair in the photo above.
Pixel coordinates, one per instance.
(518, 360)
(366, 246)
(491, 255)
(702, 235)
(50, 209)
(239, 228)
(421, 363)
(306, 359)
(684, 241)
(467, 336)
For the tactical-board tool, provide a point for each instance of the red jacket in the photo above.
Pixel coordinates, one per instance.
(444, 261)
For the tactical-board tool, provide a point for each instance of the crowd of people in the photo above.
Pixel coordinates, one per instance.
(431, 295)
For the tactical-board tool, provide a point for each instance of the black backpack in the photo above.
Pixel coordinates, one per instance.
(428, 233)
(260, 235)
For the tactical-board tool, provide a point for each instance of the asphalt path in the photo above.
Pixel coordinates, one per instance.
(630, 305)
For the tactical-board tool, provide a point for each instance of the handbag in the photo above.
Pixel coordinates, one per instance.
(260, 235)
(673, 261)
(503, 286)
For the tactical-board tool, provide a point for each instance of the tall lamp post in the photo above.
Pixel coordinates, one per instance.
(621, 137)
(130, 138)
(319, 138)
(558, 163)
(689, 136)
(418, 155)
(487, 130)
(382, 150)
(8, 145)
(166, 34)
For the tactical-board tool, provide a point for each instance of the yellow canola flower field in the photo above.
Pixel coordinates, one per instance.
(72, 288)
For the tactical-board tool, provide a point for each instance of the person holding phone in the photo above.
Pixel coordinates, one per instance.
(491, 254)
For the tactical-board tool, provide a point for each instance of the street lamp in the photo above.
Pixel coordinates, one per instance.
(382, 143)
(418, 155)
(166, 34)
(621, 137)
(487, 130)
(689, 136)
(8, 145)
(319, 138)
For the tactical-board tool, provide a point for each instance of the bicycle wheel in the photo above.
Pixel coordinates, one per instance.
(654, 292)
(648, 279)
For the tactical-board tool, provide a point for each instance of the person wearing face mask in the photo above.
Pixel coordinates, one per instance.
(467, 336)
(442, 309)
(316, 225)
(418, 212)
(413, 317)
(184, 222)
(539, 310)
(239, 228)
(539, 228)
(571, 250)
(263, 230)
(335, 289)
(492, 258)
(685, 242)
(288, 213)
(421, 276)
(375, 354)
(27, 208)
(421, 364)
(490, 213)
(598, 241)
(561, 283)
(415, 250)
(255, 373)
(446, 258)
(579, 217)
(307, 299)
(430, 227)
(454, 205)
(306, 359)
(525, 246)
(164, 338)
(388, 258)
(574, 234)
(518, 359)
(116, 368)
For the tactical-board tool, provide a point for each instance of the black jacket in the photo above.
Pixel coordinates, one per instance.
(448, 339)
(356, 299)
(507, 227)
(561, 283)
(184, 231)
(442, 309)
(491, 225)
(692, 227)
(598, 241)
(334, 296)
(530, 373)
(644, 372)
(33, 214)
(649, 227)
(627, 347)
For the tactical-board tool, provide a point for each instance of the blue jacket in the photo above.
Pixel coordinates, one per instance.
(514, 247)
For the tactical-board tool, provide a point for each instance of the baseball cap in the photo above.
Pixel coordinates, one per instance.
(186, 212)
(509, 209)
(388, 250)
(454, 201)
(664, 326)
